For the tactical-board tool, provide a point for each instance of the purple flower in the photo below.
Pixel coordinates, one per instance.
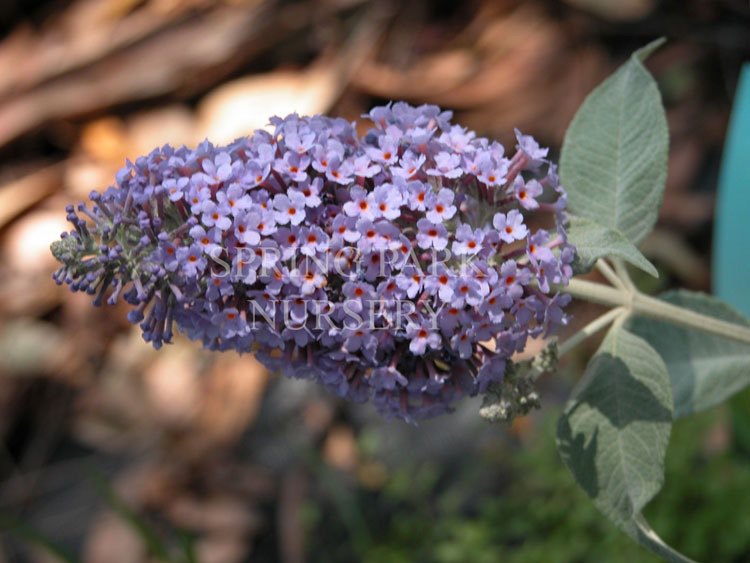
(246, 228)
(325, 155)
(362, 167)
(267, 224)
(312, 241)
(197, 196)
(419, 196)
(294, 165)
(244, 267)
(532, 150)
(175, 187)
(431, 235)
(422, 337)
(547, 272)
(554, 315)
(167, 254)
(389, 290)
(439, 282)
(527, 192)
(492, 174)
(387, 377)
(234, 198)
(289, 208)
(361, 205)
(537, 249)
(299, 142)
(357, 294)
(468, 291)
(311, 192)
(459, 139)
(207, 240)
(410, 280)
(255, 174)
(409, 165)
(387, 201)
(463, 342)
(467, 242)
(191, 260)
(512, 278)
(218, 169)
(345, 228)
(476, 163)
(492, 371)
(364, 263)
(510, 226)
(441, 208)
(386, 152)
(340, 171)
(308, 277)
(450, 318)
(496, 303)
(216, 214)
(447, 165)
(228, 322)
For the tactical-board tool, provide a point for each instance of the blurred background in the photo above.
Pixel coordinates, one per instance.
(116, 453)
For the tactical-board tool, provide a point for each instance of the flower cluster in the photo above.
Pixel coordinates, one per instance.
(400, 266)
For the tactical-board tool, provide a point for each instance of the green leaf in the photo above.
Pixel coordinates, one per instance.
(614, 158)
(614, 432)
(705, 369)
(592, 241)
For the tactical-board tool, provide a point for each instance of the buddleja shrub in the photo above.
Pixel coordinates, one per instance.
(407, 267)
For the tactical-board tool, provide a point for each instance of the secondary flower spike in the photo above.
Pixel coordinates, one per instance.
(402, 266)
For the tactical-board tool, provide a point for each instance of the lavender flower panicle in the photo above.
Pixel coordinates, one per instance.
(398, 267)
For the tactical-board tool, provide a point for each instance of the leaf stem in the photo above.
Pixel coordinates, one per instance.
(638, 304)
(651, 307)
(622, 274)
(609, 273)
(598, 293)
(590, 329)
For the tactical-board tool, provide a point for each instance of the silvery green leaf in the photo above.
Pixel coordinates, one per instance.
(704, 369)
(593, 241)
(614, 158)
(614, 432)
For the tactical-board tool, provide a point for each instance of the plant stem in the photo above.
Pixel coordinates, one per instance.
(651, 307)
(622, 274)
(609, 273)
(598, 293)
(590, 329)
(642, 305)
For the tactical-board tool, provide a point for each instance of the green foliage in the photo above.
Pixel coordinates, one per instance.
(705, 369)
(702, 507)
(519, 505)
(614, 432)
(615, 429)
(614, 158)
(592, 241)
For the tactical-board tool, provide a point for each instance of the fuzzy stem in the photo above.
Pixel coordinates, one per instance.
(638, 304)
(622, 273)
(590, 329)
(609, 273)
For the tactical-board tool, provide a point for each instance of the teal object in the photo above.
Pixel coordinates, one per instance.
(731, 252)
